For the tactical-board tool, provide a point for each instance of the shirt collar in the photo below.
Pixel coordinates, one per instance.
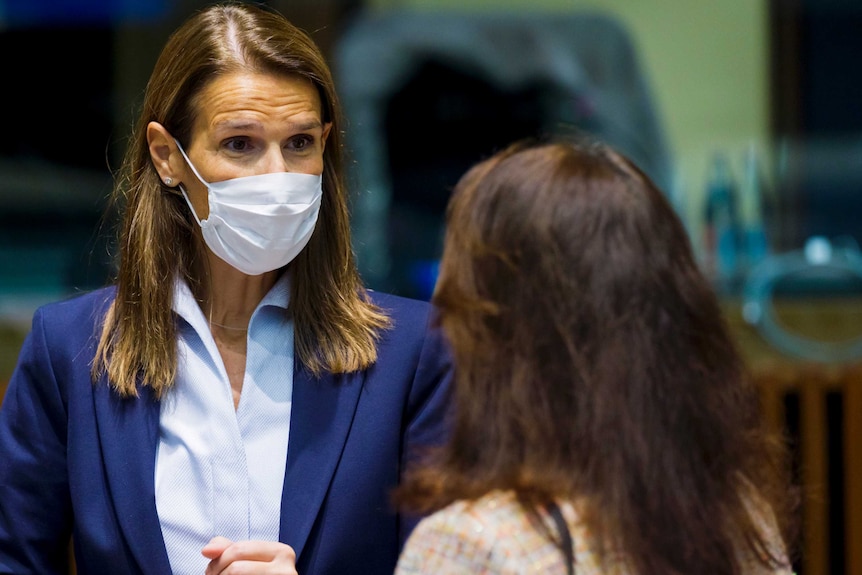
(186, 306)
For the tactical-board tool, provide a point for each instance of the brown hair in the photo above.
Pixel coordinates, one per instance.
(593, 364)
(336, 324)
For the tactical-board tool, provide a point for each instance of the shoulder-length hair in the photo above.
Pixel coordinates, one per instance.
(336, 324)
(593, 364)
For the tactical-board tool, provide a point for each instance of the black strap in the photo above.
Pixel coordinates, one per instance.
(565, 536)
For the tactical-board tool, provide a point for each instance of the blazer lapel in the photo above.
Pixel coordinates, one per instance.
(320, 420)
(128, 432)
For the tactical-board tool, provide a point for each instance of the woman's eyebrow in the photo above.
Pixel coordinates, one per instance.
(306, 126)
(257, 125)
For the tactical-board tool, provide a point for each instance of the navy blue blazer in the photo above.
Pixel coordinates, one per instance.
(78, 460)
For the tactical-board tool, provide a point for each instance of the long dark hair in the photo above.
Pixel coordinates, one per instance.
(593, 364)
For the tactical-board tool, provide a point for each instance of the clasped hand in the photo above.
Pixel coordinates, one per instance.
(248, 557)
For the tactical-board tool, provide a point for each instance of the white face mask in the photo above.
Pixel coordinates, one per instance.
(259, 223)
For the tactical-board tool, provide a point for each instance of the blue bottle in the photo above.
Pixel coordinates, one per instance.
(722, 229)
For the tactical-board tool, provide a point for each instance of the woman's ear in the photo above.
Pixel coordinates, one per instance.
(165, 154)
(326, 129)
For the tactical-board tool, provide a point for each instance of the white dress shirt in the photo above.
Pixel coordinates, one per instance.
(220, 470)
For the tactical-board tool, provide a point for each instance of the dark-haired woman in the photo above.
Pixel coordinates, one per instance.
(604, 422)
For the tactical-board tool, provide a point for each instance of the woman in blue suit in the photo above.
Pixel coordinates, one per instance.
(237, 398)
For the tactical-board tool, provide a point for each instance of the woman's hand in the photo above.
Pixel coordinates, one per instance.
(228, 557)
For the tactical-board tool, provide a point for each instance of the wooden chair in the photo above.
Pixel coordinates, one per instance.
(820, 405)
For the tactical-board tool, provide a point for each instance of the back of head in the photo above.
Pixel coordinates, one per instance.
(593, 362)
(563, 246)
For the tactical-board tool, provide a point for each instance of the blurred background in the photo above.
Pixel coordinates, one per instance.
(747, 113)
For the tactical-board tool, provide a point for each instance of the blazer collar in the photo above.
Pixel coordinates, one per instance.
(128, 431)
(322, 413)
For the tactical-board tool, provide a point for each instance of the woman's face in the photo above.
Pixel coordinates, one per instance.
(251, 123)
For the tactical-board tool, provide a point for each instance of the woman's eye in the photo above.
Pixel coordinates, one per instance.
(300, 142)
(237, 144)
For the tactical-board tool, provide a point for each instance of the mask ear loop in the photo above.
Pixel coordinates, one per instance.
(198, 176)
(191, 207)
(191, 165)
(200, 222)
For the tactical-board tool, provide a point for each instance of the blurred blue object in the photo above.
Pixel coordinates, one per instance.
(722, 225)
(424, 277)
(17, 13)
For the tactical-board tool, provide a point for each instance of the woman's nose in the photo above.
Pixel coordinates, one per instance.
(274, 161)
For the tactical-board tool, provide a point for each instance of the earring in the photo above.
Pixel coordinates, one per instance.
(169, 181)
